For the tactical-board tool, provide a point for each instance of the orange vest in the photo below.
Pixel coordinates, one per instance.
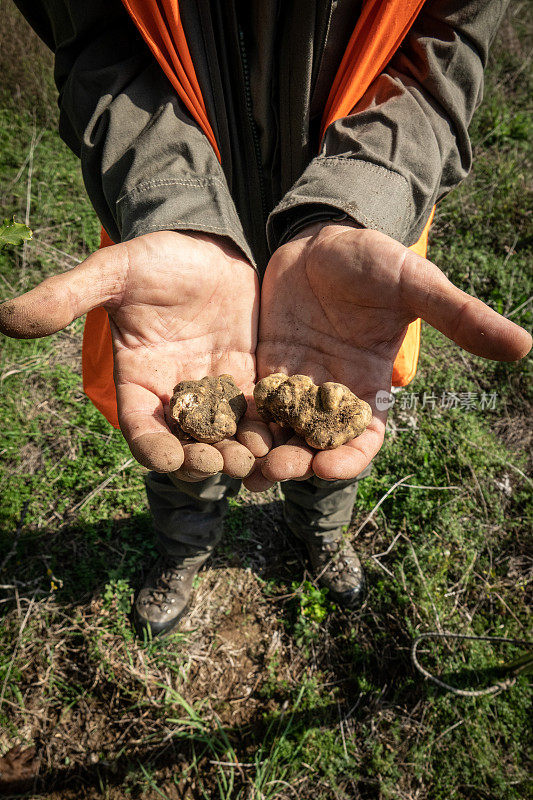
(380, 29)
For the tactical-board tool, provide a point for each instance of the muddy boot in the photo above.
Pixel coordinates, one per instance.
(188, 524)
(336, 565)
(164, 597)
(317, 511)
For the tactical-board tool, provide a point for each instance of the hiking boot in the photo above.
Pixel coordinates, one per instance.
(336, 565)
(165, 595)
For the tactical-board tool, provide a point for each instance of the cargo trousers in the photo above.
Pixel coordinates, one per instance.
(188, 517)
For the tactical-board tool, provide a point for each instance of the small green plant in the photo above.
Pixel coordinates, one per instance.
(117, 596)
(312, 607)
(13, 234)
(116, 605)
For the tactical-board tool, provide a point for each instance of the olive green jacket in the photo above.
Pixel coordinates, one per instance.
(265, 68)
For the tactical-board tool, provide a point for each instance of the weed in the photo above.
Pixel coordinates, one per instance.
(311, 606)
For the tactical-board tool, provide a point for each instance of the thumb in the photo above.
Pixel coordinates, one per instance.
(60, 299)
(469, 322)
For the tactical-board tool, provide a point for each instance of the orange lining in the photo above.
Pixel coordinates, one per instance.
(159, 23)
(97, 358)
(380, 29)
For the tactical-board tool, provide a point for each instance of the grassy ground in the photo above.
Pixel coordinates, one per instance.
(268, 691)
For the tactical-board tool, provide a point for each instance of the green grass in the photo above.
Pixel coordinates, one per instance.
(268, 690)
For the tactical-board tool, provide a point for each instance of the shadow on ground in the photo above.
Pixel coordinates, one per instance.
(80, 558)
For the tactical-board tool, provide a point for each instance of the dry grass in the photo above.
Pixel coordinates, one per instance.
(26, 66)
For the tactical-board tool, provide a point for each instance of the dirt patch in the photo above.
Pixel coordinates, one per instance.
(31, 459)
(115, 692)
(97, 702)
(233, 627)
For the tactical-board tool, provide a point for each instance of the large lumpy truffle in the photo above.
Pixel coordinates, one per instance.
(326, 416)
(208, 409)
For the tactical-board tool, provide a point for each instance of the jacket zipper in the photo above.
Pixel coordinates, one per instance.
(249, 114)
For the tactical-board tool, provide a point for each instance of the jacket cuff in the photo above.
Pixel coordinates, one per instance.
(371, 195)
(182, 203)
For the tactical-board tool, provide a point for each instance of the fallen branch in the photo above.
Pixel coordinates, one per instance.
(494, 689)
(382, 500)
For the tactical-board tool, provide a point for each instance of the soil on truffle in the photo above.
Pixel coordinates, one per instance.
(326, 416)
(207, 410)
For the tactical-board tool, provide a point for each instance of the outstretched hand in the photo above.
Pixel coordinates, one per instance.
(335, 304)
(180, 306)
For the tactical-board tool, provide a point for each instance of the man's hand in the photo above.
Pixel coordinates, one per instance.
(180, 306)
(335, 304)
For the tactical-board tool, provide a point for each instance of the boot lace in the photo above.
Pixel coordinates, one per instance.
(158, 595)
(334, 558)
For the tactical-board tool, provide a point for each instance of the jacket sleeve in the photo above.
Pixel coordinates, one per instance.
(146, 164)
(406, 144)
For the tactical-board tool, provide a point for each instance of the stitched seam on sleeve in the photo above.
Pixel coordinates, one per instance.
(351, 160)
(193, 182)
(170, 225)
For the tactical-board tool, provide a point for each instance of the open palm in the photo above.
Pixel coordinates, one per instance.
(180, 306)
(335, 304)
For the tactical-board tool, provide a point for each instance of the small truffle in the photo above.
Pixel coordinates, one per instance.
(326, 416)
(208, 410)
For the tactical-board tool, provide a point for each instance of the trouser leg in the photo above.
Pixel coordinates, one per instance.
(188, 516)
(316, 509)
